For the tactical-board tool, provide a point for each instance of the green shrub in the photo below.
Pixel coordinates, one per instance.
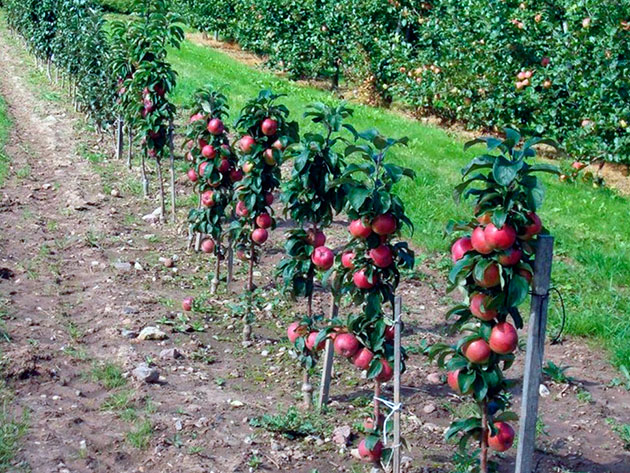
(117, 6)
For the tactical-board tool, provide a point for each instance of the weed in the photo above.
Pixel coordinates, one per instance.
(584, 396)
(11, 431)
(294, 424)
(109, 374)
(557, 373)
(622, 382)
(622, 430)
(140, 436)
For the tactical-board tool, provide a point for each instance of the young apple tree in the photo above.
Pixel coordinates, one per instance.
(492, 258)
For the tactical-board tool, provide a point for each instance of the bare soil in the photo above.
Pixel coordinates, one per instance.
(67, 303)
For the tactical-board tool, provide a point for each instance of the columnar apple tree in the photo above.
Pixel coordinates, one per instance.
(312, 202)
(214, 171)
(492, 258)
(152, 30)
(264, 132)
(370, 268)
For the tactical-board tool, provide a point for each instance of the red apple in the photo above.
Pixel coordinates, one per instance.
(390, 333)
(361, 280)
(477, 351)
(362, 358)
(382, 256)
(247, 167)
(236, 175)
(500, 238)
(202, 168)
(209, 152)
(452, 380)
(347, 259)
(268, 157)
(368, 455)
(323, 258)
(526, 274)
(187, 304)
(224, 166)
(503, 439)
(295, 331)
(533, 229)
(207, 246)
(478, 307)
(503, 338)
(196, 117)
(202, 143)
(384, 224)
(207, 199)
(358, 229)
(192, 175)
(510, 257)
(278, 145)
(479, 243)
(545, 61)
(269, 127)
(241, 209)
(310, 342)
(491, 277)
(215, 126)
(260, 235)
(386, 373)
(264, 220)
(269, 198)
(315, 238)
(346, 345)
(246, 143)
(460, 248)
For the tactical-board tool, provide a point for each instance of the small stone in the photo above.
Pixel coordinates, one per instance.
(138, 267)
(236, 404)
(178, 425)
(126, 333)
(434, 378)
(543, 390)
(168, 262)
(145, 373)
(341, 435)
(170, 354)
(130, 310)
(429, 408)
(123, 266)
(115, 193)
(264, 353)
(152, 333)
(56, 398)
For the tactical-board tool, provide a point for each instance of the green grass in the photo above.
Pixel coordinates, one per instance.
(108, 374)
(11, 431)
(592, 262)
(5, 123)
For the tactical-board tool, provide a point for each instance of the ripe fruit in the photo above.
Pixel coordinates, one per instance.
(192, 175)
(510, 257)
(586, 22)
(323, 258)
(368, 455)
(578, 166)
(268, 157)
(246, 143)
(477, 351)
(526, 274)
(269, 198)
(491, 277)
(451, 379)
(362, 358)
(500, 238)
(384, 224)
(224, 166)
(209, 152)
(546, 84)
(310, 342)
(478, 306)
(241, 209)
(260, 235)
(382, 256)
(478, 241)
(534, 228)
(361, 280)
(460, 248)
(347, 259)
(263, 220)
(390, 333)
(295, 331)
(247, 167)
(485, 219)
(215, 126)
(545, 61)
(358, 229)
(207, 246)
(503, 338)
(503, 439)
(315, 238)
(269, 127)
(278, 145)
(236, 175)
(187, 304)
(207, 199)
(346, 345)
(386, 372)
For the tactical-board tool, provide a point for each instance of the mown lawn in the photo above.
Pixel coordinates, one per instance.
(4, 133)
(592, 265)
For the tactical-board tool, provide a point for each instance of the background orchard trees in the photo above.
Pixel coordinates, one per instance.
(151, 30)
(370, 269)
(264, 134)
(312, 202)
(214, 171)
(493, 268)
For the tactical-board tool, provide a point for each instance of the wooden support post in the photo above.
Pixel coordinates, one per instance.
(171, 146)
(324, 388)
(534, 357)
(130, 145)
(119, 137)
(145, 179)
(397, 361)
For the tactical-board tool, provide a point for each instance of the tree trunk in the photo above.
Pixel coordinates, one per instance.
(130, 146)
(247, 328)
(161, 190)
(145, 179)
(214, 284)
(172, 167)
(483, 461)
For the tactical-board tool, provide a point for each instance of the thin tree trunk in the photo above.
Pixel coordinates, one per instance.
(247, 328)
(130, 146)
(119, 137)
(172, 167)
(198, 236)
(158, 162)
(230, 262)
(307, 387)
(145, 180)
(214, 284)
(48, 71)
(483, 462)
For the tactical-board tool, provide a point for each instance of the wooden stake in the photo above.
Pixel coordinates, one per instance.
(483, 462)
(130, 145)
(214, 284)
(230, 262)
(171, 147)
(247, 328)
(119, 137)
(158, 162)
(324, 388)
(534, 357)
(397, 361)
(145, 179)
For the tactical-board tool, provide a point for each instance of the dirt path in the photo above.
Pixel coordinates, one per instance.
(86, 267)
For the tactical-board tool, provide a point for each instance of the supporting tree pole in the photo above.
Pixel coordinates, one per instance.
(324, 389)
(145, 179)
(534, 356)
(397, 361)
(307, 387)
(230, 262)
(247, 328)
(214, 284)
(485, 432)
(171, 147)
(130, 145)
(158, 161)
(119, 137)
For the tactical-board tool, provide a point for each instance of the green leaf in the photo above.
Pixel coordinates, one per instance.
(357, 196)
(505, 171)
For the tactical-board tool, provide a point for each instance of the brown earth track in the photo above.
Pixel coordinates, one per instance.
(69, 295)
